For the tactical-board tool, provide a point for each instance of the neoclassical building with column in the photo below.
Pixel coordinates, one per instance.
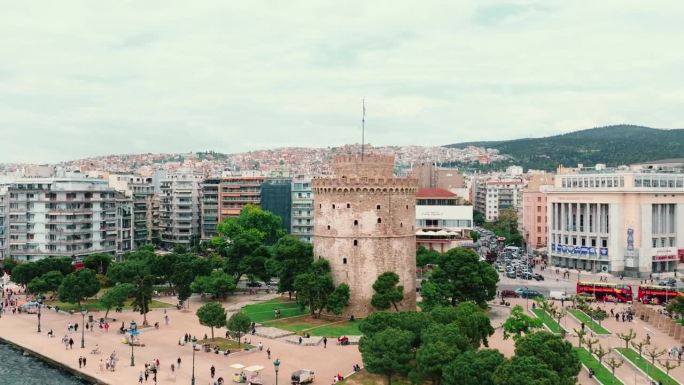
(623, 220)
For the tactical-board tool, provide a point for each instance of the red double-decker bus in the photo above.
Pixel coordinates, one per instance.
(78, 265)
(658, 294)
(603, 291)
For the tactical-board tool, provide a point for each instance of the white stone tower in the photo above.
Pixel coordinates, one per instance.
(364, 220)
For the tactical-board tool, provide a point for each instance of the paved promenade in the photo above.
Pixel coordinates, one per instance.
(162, 344)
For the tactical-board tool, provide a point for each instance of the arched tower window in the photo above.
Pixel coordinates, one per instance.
(328, 227)
(401, 224)
(356, 222)
(344, 261)
(348, 205)
(379, 220)
(377, 207)
(333, 206)
(356, 242)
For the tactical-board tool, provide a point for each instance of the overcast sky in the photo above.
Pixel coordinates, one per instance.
(84, 78)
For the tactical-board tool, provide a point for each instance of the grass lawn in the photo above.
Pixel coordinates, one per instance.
(225, 344)
(583, 317)
(265, 311)
(316, 326)
(602, 373)
(94, 305)
(645, 365)
(365, 378)
(548, 321)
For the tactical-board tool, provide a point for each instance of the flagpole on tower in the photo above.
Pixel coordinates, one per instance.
(363, 127)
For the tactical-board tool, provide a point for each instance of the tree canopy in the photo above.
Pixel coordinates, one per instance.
(78, 286)
(315, 290)
(238, 325)
(116, 296)
(519, 323)
(212, 314)
(460, 277)
(552, 350)
(387, 352)
(388, 292)
(473, 368)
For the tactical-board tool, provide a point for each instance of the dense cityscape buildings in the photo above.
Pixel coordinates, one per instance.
(491, 193)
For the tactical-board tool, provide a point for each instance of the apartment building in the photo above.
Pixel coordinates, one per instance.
(302, 221)
(276, 197)
(533, 218)
(4, 245)
(238, 191)
(210, 207)
(618, 220)
(58, 217)
(491, 194)
(124, 224)
(145, 221)
(179, 209)
(442, 221)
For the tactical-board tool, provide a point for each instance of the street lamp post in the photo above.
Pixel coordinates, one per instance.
(527, 298)
(194, 344)
(40, 304)
(84, 311)
(276, 366)
(133, 331)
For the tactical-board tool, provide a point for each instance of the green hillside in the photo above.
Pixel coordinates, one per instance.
(612, 145)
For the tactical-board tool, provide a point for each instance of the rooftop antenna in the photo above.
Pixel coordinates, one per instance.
(363, 127)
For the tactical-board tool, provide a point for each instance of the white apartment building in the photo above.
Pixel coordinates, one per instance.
(179, 209)
(622, 221)
(145, 215)
(4, 246)
(209, 207)
(302, 212)
(442, 222)
(491, 194)
(58, 217)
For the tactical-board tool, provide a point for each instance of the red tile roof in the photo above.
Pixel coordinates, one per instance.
(434, 193)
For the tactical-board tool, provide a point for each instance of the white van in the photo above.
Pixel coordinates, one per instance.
(559, 295)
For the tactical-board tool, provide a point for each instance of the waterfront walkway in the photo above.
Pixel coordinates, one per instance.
(162, 344)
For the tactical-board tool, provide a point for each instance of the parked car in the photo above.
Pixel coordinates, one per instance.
(667, 282)
(538, 277)
(559, 295)
(509, 294)
(526, 275)
(254, 284)
(510, 274)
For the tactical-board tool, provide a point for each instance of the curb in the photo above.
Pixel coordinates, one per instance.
(634, 365)
(595, 333)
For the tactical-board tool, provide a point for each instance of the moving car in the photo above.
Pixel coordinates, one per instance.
(303, 376)
(528, 293)
(510, 274)
(508, 294)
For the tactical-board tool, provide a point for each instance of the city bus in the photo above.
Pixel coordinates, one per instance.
(78, 265)
(603, 291)
(658, 294)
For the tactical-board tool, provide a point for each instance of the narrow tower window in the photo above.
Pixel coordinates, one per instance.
(377, 207)
(356, 242)
(379, 220)
(333, 206)
(328, 227)
(344, 261)
(356, 223)
(348, 205)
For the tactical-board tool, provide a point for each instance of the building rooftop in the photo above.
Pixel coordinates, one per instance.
(434, 193)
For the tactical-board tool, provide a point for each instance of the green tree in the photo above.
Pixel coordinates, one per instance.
(474, 323)
(475, 236)
(53, 279)
(8, 265)
(388, 292)
(460, 277)
(411, 321)
(212, 314)
(135, 270)
(293, 257)
(238, 325)
(339, 299)
(78, 286)
(599, 314)
(98, 263)
(37, 286)
(387, 352)
(23, 273)
(219, 284)
(473, 368)
(269, 225)
(554, 351)
(431, 358)
(116, 296)
(478, 218)
(525, 370)
(425, 257)
(676, 306)
(315, 288)
(241, 250)
(182, 277)
(450, 334)
(519, 323)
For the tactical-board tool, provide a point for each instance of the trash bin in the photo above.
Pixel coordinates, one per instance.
(90, 318)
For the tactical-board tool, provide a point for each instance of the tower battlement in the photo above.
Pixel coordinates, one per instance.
(370, 165)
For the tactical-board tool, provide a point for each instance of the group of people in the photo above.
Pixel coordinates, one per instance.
(625, 316)
(676, 352)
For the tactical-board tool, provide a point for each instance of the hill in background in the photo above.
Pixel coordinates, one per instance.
(612, 145)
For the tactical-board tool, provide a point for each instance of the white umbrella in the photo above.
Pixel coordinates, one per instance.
(254, 368)
(237, 366)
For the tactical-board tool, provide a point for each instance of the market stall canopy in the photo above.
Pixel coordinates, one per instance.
(237, 366)
(254, 368)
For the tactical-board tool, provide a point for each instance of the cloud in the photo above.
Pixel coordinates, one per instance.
(79, 78)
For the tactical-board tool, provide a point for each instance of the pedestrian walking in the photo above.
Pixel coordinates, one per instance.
(268, 353)
(147, 374)
(71, 343)
(212, 370)
(140, 377)
(325, 342)
(84, 361)
(76, 327)
(80, 361)
(178, 361)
